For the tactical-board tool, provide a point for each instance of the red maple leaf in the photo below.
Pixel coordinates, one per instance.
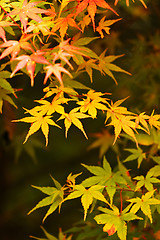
(13, 47)
(91, 6)
(56, 69)
(28, 11)
(30, 63)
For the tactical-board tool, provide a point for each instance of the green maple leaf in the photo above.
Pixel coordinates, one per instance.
(155, 171)
(136, 154)
(5, 89)
(115, 221)
(4, 96)
(146, 181)
(104, 177)
(54, 198)
(87, 196)
(144, 203)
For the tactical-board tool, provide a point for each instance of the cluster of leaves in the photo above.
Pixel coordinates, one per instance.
(101, 191)
(50, 38)
(39, 27)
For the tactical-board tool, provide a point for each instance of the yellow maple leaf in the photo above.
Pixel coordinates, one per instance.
(37, 121)
(50, 107)
(73, 117)
(154, 120)
(126, 124)
(92, 103)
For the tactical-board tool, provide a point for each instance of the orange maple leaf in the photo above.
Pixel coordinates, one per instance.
(104, 26)
(13, 47)
(28, 11)
(91, 6)
(62, 24)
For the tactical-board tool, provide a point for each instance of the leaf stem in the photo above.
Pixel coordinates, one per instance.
(11, 18)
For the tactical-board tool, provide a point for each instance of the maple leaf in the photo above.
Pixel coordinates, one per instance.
(71, 180)
(144, 203)
(64, 3)
(13, 47)
(2, 25)
(91, 6)
(62, 24)
(141, 118)
(127, 2)
(136, 154)
(61, 236)
(126, 124)
(73, 117)
(87, 196)
(88, 65)
(44, 26)
(27, 11)
(49, 108)
(5, 90)
(146, 181)
(105, 177)
(92, 103)
(115, 221)
(30, 62)
(104, 25)
(4, 96)
(84, 22)
(29, 148)
(64, 46)
(48, 236)
(38, 121)
(56, 69)
(62, 55)
(59, 90)
(106, 66)
(54, 198)
(154, 120)
(103, 142)
(116, 110)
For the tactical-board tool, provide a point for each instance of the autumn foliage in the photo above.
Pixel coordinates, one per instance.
(52, 41)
